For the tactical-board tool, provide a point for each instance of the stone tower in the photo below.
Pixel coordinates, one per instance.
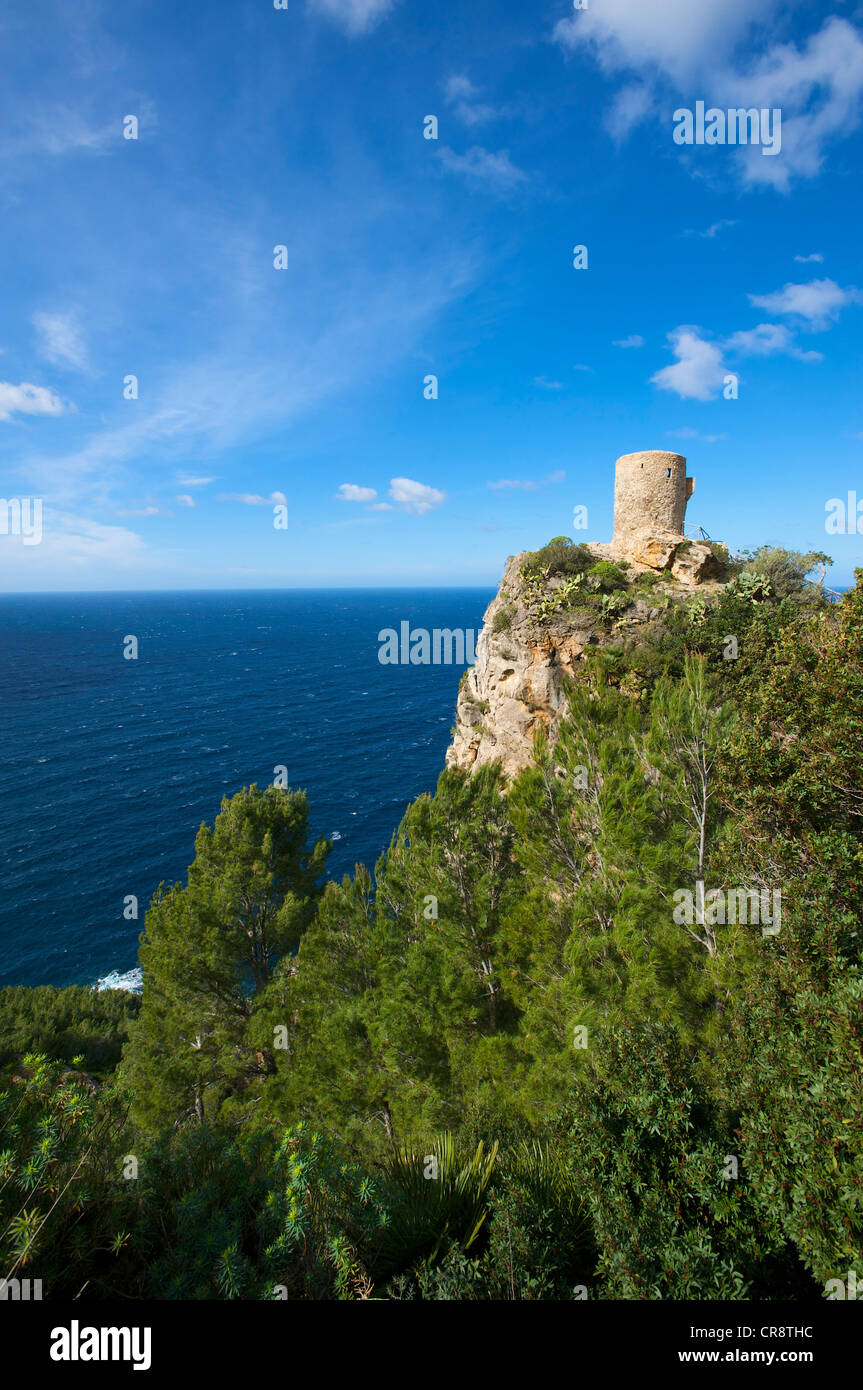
(651, 491)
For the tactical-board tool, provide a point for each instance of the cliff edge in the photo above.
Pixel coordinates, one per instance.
(553, 608)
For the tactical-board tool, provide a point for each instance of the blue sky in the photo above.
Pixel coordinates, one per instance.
(409, 257)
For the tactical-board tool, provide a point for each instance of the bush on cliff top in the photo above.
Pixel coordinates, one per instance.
(560, 557)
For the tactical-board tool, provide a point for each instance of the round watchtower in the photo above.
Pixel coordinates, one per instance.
(651, 491)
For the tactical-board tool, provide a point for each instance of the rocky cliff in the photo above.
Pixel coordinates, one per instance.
(543, 623)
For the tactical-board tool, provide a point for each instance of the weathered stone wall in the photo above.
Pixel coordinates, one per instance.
(651, 490)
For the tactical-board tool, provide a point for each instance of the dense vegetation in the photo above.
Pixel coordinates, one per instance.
(508, 1065)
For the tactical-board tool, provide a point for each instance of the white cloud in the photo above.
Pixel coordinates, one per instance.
(382, 507)
(70, 540)
(804, 260)
(768, 339)
(58, 129)
(547, 385)
(527, 484)
(253, 499)
(482, 166)
(819, 303)
(63, 127)
(677, 37)
(818, 86)
(355, 16)
(688, 433)
(459, 88)
(198, 409)
(138, 511)
(61, 340)
(700, 368)
(698, 372)
(415, 497)
(462, 95)
(185, 500)
(349, 492)
(713, 230)
(628, 109)
(507, 483)
(27, 399)
(634, 340)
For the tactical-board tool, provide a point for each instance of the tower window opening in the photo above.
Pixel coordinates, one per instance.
(668, 472)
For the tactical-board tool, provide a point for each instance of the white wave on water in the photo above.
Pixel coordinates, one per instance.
(132, 981)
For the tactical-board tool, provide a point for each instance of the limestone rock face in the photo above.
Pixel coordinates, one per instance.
(656, 552)
(523, 663)
(695, 564)
(517, 684)
(690, 562)
(538, 628)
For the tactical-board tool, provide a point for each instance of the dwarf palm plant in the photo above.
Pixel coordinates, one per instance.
(436, 1199)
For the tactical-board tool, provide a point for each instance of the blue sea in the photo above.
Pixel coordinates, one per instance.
(109, 765)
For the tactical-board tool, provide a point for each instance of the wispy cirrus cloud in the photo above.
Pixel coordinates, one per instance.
(61, 339)
(58, 129)
(463, 97)
(527, 484)
(688, 433)
(709, 233)
(202, 406)
(253, 499)
(69, 540)
(354, 16)
(495, 171)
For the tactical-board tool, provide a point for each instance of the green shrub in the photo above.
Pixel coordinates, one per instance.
(561, 556)
(652, 1157)
(610, 576)
(785, 571)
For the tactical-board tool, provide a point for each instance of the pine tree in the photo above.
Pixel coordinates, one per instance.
(209, 949)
